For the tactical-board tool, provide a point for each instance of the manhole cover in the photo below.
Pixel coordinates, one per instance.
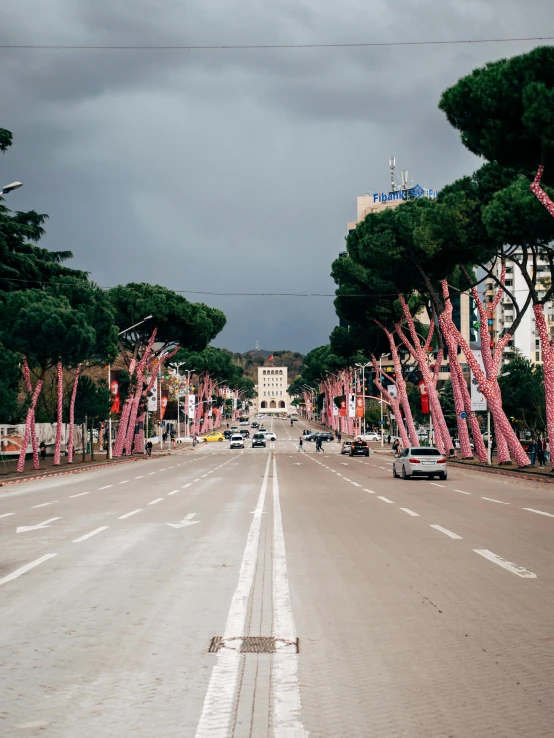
(253, 644)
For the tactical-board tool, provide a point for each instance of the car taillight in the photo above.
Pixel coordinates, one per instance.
(414, 461)
(441, 461)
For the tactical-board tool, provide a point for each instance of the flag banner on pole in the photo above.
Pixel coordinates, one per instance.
(163, 404)
(153, 398)
(114, 388)
(191, 406)
(351, 406)
(359, 406)
(478, 401)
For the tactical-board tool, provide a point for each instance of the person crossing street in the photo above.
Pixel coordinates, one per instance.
(301, 445)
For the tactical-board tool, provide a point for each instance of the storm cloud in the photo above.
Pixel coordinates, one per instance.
(234, 170)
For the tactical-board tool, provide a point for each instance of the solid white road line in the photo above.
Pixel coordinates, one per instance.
(89, 535)
(461, 491)
(529, 509)
(386, 499)
(128, 515)
(490, 499)
(285, 681)
(519, 570)
(437, 485)
(110, 485)
(44, 504)
(410, 512)
(219, 703)
(6, 515)
(26, 568)
(158, 499)
(80, 494)
(446, 532)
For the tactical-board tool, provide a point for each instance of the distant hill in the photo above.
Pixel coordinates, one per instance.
(251, 360)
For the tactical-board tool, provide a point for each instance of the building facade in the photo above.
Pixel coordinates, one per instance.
(272, 387)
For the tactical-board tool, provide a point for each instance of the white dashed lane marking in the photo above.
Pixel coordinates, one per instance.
(23, 569)
(44, 504)
(499, 502)
(437, 485)
(6, 515)
(461, 491)
(80, 494)
(529, 509)
(446, 532)
(513, 568)
(110, 485)
(410, 512)
(89, 535)
(128, 515)
(386, 499)
(159, 499)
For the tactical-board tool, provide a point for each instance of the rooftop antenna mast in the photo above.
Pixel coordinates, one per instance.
(392, 166)
(404, 185)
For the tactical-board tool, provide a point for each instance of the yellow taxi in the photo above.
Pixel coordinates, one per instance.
(214, 436)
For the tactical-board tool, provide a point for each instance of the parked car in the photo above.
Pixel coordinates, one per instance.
(270, 436)
(258, 440)
(245, 433)
(345, 448)
(369, 437)
(237, 441)
(359, 448)
(214, 436)
(422, 461)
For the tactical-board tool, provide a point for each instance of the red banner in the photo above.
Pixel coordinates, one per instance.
(359, 407)
(163, 403)
(424, 398)
(342, 407)
(114, 387)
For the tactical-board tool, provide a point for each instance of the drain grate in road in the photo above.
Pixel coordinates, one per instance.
(254, 644)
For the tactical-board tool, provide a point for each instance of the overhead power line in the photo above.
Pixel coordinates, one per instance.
(234, 47)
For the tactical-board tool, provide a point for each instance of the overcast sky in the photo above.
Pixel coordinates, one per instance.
(234, 170)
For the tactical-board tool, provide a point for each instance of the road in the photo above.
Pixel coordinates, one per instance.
(391, 608)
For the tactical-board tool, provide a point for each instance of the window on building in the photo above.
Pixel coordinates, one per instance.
(537, 355)
(537, 342)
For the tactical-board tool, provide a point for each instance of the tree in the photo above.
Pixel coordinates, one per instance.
(523, 395)
(448, 406)
(10, 376)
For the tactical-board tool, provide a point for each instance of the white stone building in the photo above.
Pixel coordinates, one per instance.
(272, 390)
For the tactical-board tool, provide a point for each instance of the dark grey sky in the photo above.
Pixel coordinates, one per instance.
(234, 171)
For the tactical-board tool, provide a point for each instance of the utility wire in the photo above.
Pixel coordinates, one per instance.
(233, 47)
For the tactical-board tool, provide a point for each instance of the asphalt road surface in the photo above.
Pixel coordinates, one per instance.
(389, 608)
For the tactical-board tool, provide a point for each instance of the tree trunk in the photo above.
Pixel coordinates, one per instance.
(29, 428)
(70, 442)
(29, 388)
(548, 371)
(59, 416)
(463, 432)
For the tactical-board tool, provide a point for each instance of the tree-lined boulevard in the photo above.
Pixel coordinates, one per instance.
(285, 589)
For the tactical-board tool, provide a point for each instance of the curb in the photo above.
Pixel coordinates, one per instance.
(517, 474)
(48, 475)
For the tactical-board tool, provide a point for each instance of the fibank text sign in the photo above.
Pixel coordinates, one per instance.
(415, 192)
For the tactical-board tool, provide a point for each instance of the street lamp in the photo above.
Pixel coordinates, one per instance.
(363, 368)
(9, 188)
(110, 378)
(381, 403)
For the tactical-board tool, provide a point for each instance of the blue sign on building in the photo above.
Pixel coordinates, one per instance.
(416, 191)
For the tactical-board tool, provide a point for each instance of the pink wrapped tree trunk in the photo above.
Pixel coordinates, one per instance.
(548, 372)
(419, 353)
(59, 415)
(394, 402)
(488, 382)
(70, 441)
(29, 388)
(29, 427)
(539, 193)
(401, 389)
(139, 438)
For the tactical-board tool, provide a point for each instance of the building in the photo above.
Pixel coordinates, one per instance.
(272, 390)
(526, 338)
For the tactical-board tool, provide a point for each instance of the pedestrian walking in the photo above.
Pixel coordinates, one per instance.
(547, 450)
(42, 447)
(540, 451)
(339, 437)
(533, 451)
(388, 439)
(395, 446)
(301, 444)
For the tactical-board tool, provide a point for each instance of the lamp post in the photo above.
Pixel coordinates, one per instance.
(10, 187)
(381, 403)
(363, 368)
(110, 381)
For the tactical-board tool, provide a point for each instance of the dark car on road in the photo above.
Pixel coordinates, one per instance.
(245, 433)
(227, 434)
(255, 425)
(324, 435)
(359, 448)
(345, 448)
(258, 440)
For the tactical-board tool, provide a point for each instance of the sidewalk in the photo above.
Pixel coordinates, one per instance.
(9, 475)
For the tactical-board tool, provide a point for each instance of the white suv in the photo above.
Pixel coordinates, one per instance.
(237, 441)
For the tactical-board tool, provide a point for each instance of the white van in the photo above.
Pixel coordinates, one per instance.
(237, 441)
